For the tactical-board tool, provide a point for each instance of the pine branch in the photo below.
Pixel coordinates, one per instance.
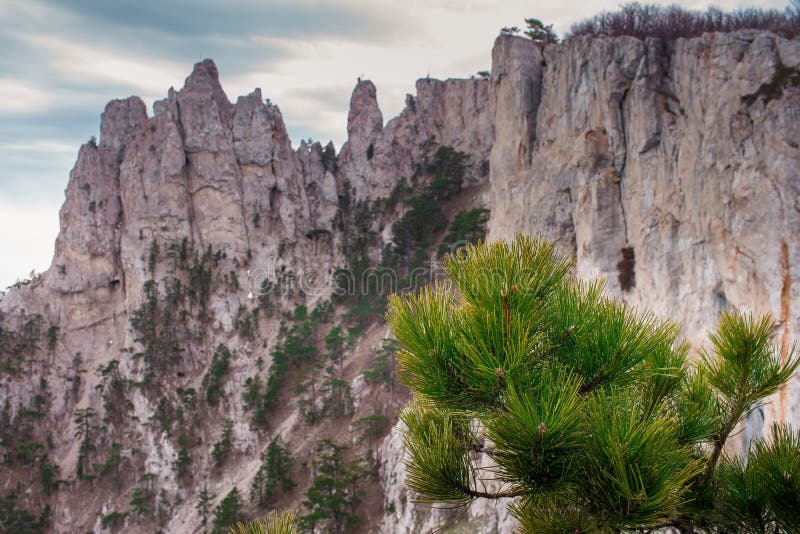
(584, 400)
(592, 384)
(719, 444)
(481, 449)
(477, 494)
(745, 370)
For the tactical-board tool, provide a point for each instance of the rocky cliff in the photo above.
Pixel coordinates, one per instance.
(190, 241)
(196, 242)
(671, 169)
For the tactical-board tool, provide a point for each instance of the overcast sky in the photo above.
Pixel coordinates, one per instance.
(62, 60)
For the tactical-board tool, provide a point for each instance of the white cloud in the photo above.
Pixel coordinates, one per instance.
(18, 96)
(82, 63)
(43, 146)
(27, 237)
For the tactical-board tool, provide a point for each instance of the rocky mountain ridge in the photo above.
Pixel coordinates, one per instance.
(670, 168)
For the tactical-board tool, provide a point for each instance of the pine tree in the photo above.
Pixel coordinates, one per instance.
(20, 520)
(371, 428)
(298, 344)
(203, 505)
(336, 341)
(140, 502)
(252, 392)
(469, 226)
(540, 33)
(308, 389)
(112, 463)
(383, 370)
(591, 411)
(228, 511)
(83, 430)
(338, 400)
(223, 446)
(273, 523)
(333, 495)
(217, 371)
(274, 474)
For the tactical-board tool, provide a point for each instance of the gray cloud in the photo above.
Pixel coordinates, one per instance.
(235, 17)
(335, 98)
(238, 50)
(231, 32)
(56, 123)
(35, 151)
(34, 175)
(18, 58)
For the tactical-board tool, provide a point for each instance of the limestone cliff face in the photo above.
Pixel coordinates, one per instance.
(201, 174)
(453, 113)
(670, 169)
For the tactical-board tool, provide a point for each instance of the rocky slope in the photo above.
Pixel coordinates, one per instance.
(670, 169)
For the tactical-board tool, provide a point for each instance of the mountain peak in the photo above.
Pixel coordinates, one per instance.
(203, 82)
(365, 118)
(203, 70)
(120, 120)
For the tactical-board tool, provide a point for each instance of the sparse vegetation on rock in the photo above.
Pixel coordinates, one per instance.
(671, 22)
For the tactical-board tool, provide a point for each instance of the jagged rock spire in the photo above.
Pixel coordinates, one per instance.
(365, 120)
(204, 80)
(121, 120)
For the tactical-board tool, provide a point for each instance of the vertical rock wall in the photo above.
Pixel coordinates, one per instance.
(671, 169)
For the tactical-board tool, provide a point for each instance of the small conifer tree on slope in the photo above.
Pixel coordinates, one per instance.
(594, 417)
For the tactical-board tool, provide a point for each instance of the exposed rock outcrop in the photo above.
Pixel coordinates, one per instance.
(452, 113)
(671, 169)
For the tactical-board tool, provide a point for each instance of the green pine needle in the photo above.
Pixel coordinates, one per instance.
(438, 444)
(633, 473)
(535, 435)
(746, 366)
(587, 407)
(777, 467)
(273, 523)
(741, 504)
